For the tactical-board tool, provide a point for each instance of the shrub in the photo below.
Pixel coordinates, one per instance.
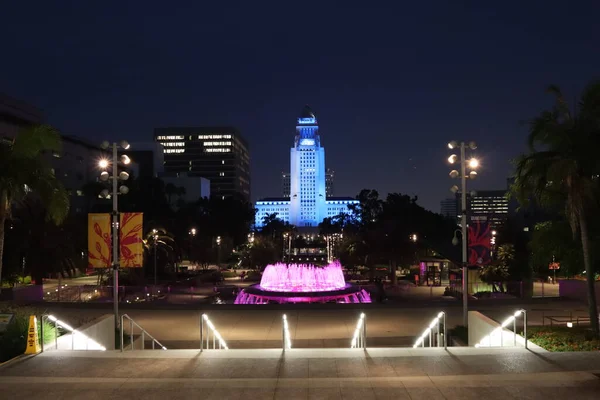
(561, 338)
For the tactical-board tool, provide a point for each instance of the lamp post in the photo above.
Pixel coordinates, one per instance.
(116, 176)
(155, 238)
(218, 253)
(472, 164)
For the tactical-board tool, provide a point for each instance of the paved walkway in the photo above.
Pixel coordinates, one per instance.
(459, 373)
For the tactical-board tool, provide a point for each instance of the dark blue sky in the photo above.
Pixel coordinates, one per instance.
(390, 82)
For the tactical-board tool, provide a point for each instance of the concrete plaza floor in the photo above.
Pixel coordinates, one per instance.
(459, 373)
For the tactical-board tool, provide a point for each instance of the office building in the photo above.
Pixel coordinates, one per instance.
(329, 176)
(488, 205)
(307, 203)
(449, 208)
(218, 154)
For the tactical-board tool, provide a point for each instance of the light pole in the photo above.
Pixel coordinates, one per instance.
(155, 237)
(473, 164)
(218, 253)
(116, 176)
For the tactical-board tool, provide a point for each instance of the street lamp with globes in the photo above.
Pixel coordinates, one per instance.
(116, 190)
(472, 163)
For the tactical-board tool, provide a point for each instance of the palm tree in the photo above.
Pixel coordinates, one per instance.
(25, 172)
(565, 172)
(159, 239)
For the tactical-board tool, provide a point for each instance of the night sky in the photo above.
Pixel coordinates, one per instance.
(390, 82)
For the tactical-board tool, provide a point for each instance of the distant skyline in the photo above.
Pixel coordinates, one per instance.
(390, 84)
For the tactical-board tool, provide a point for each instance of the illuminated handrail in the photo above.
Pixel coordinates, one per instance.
(74, 333)
(360, 334)
(216, 336)
(434, 327)
(132, 323)
(287, 341)
(487, 340)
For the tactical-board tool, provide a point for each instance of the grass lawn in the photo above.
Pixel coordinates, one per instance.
(561, 338)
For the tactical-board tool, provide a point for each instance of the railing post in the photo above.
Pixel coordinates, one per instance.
(515, 331)
(364, 333)
(73, 340)
(445, 337)
(121, 331)
(525, 327)
(131, 333)
(42, 332)
(283, 335)
(55, 335)
(143, 338)
(201, 332)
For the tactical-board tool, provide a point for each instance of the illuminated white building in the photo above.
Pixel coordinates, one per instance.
(218, 154)
(307, 204)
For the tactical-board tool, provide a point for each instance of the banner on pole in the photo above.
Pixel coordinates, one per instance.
(99, 245)
(131, 243)
(480, 242)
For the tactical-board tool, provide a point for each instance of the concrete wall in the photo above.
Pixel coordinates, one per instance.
(485, 332)
(575, 289)
(91, 336)
(23, 294)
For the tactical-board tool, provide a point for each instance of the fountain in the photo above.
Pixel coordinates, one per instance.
(303, 283)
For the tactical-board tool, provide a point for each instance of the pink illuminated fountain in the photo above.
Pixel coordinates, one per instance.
(303, 283)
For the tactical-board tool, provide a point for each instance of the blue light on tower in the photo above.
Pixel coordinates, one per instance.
(307, 205)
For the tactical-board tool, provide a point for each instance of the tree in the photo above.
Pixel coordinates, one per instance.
(565, 172)
(159, 240)
(553, 240)
(25, 172)
(498, 272)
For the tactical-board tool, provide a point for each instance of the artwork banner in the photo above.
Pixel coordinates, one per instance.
(131, 242)
(99, 241)
(480, 243)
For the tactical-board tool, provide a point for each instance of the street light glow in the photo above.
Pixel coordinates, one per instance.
(452, 159)
(103, 163)
(452, 145)
(473, 163)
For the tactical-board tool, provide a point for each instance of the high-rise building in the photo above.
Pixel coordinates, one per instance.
(490, 205)
(449, 207)
(329, 176)
(218, 154)
(307, 203)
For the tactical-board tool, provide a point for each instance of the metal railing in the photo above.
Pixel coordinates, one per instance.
(433, 331)
(84, 341)
(491, 340)
(144, 333)
(216, 336)
(285, 333)
(359, 340)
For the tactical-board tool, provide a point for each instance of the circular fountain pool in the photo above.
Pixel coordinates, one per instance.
(303, 283)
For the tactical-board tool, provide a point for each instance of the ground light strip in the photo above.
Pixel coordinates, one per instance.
(357, 331)
(74, 334)
(215, 332)
(425, 334)
(286, 333)
(487, 340)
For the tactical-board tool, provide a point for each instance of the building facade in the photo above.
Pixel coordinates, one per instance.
(488, 205)
(306, 204)
(219, 154)
(329, 177)
(74, 166)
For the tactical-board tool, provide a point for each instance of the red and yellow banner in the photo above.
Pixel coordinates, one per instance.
(132, 245)
(99, 245)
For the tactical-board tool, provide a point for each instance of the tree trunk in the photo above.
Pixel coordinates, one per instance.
(590, 275)
(394, 268)
(3, 214)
